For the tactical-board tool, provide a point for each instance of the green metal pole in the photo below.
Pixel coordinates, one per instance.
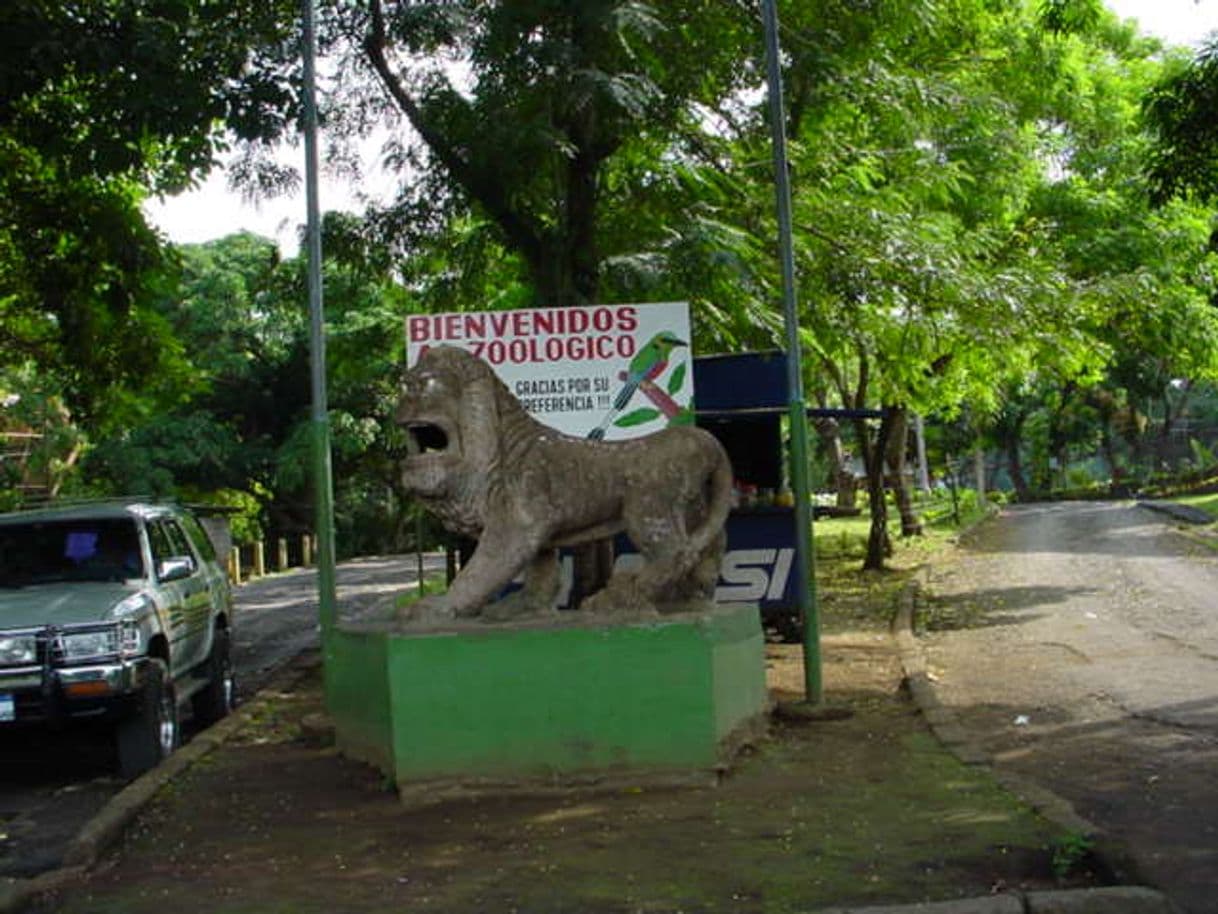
(797, 409)
(322, 480)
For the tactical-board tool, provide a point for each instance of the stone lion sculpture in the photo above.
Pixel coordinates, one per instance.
(488, 470)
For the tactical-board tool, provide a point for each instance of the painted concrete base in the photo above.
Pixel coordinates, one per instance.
(568, 702)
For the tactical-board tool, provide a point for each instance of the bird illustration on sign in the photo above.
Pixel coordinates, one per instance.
(640, 376)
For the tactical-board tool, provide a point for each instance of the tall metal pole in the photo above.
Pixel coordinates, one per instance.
(797, 409)
(322, 480)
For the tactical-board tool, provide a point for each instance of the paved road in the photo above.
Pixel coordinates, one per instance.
(277, 616)
(1078, 643)
(51, 785)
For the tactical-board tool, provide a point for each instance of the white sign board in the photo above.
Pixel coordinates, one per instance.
(599, 371)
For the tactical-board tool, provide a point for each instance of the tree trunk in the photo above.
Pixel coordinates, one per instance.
(920, 444)
(1059, 440)
(844, 483)
(1108, 449)
(879, 544)
(566, 267)
(979, 474)
(1015, 468)
(895, 449)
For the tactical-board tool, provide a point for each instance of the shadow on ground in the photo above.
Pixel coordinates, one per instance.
(994, 606)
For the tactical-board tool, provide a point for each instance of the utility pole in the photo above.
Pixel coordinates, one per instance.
(797, 411)
(320, 414)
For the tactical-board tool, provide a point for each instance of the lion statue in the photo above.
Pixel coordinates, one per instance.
(488, 470)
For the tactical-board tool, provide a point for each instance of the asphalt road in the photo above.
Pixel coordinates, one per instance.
(1078, 643)
(50, 785)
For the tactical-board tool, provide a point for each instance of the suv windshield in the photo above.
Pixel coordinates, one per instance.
(51, 552)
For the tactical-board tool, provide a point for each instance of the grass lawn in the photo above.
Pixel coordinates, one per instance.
(840, 545)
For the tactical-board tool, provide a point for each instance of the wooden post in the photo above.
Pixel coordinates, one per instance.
(259, 559)
(234, 564)
(306, 550)
(282, 564)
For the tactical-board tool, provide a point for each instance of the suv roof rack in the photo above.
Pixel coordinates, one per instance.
(85, 501)
(101, 501)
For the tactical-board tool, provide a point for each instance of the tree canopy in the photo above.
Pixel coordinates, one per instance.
(1003, 216)
(102, 103)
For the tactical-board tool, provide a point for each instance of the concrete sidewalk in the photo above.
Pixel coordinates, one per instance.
(1117, 900)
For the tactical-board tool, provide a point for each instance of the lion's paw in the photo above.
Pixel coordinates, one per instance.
(425, 611)
(516, 606)
(619, 601)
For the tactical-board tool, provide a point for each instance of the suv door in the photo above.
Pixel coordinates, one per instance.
(189, 603)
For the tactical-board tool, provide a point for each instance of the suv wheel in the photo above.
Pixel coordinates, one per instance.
(216, 699)
(151, 733)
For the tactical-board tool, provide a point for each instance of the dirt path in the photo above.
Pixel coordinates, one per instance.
(1079, 644)
(865, 810)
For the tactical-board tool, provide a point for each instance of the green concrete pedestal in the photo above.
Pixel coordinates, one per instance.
(569, 701)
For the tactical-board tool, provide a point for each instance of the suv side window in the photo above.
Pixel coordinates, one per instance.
(168, 541)
(158, 539)
(199, 538)
(177, 540)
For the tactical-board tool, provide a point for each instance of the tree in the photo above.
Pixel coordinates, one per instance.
(235, 323)
(925, 284)
(101, 103)
(1182, 110)
(245, 425)
(926, 140)
(521, 112)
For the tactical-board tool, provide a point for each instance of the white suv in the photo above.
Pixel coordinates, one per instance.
(113, 611)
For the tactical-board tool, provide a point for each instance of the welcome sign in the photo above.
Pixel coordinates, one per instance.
(598, 371)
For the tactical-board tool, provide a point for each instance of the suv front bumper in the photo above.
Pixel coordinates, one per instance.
(51, 695)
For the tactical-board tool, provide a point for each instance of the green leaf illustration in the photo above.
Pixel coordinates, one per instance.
(638, 417)
(676, 380)
(684, 417)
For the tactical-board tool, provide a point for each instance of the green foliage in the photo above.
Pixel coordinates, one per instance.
(244, 510)
(105, 101)
(1180, 110)
(550, 120)
(1070, 853)
(244, 429)
(939, 511)
(1203, 456)
(198, 449)
(430, 585)
(38, 439)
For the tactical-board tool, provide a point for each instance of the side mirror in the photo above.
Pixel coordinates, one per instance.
(176, 568)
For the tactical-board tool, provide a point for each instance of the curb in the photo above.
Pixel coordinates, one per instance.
(1115, 900)
(1122, 899)
(107, 826)
(1184, 513)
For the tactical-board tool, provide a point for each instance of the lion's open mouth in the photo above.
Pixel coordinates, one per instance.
(424, 438)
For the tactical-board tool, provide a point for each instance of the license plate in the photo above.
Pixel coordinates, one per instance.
(7, 710)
